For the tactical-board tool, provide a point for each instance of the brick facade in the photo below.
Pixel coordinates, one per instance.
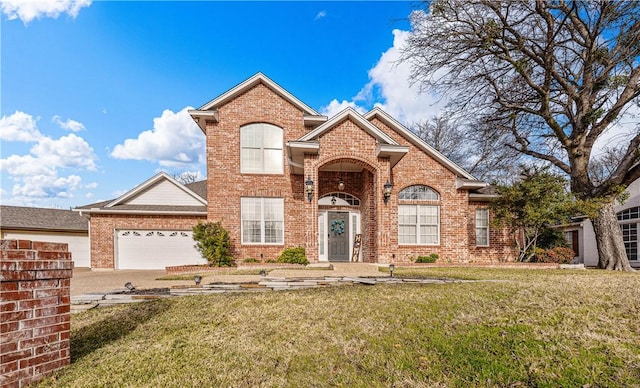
(347, 140)
(34, 310)
(103, 227)
(346, 143)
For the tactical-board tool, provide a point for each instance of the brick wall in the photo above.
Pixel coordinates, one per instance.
(34, 310)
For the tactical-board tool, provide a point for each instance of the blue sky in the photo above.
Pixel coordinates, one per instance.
(94, 94)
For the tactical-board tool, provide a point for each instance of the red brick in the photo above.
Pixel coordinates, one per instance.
(8, 367)
(64, 257)
(17, 255)
(8, 306)
(38, 341)
(44, 246)
(57, 274)
(60, 327)
(8, 347)
(39, 303)
(8, 286)
(17, 355)
(38, 322)
(16, 275)
(24, 244)
(15, 316)
(8, 244)
(29, 285)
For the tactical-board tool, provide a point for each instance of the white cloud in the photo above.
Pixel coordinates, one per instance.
(69, 125)
(68, 151)
(174, 141)
(389, 85)
(27, 10)
(19, 126)
(320, 15)
(36, 175)
(335, 107)
(390, 79)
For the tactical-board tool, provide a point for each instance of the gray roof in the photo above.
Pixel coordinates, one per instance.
(199, 188)
(41, 219)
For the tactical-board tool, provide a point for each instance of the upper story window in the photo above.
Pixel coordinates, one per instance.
(420, 193)
(418, 224)
(261, 149)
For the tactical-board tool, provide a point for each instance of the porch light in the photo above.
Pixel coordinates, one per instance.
(197, 279)
(392, 267)
(386, 191)
(341, 185)
(308, 185)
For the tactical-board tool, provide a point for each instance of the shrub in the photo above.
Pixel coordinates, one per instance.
(293, 256)
(427, 259)
(212, 240)
(551, 238)
(250, 260)
(559, 255)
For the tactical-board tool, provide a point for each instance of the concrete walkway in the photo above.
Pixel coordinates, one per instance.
(86, 281)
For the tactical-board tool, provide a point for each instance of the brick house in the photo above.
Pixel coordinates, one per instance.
(281, 175)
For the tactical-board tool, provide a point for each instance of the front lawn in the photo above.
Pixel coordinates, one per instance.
(514, 328)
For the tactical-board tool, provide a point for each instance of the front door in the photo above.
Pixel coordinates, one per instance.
(338, 236)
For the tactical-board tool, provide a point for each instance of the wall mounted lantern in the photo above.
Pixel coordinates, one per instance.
(386, 191)
(308, 185)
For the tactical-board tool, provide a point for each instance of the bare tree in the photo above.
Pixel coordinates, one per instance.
(186, 177)
(481, 152)
(554, 74)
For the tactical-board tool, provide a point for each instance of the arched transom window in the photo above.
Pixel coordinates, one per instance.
(419, 192)
(261, 149)
(418, 224)
(339, 199)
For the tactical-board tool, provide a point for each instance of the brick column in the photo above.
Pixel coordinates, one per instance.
(34, 310)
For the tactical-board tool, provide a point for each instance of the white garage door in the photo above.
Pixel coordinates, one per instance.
(155, 249)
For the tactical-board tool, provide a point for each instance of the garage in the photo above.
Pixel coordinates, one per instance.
(155, 249)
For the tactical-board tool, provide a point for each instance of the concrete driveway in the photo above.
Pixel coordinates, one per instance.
(85, 281)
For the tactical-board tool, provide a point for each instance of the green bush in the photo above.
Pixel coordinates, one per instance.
(427, 259)
(212, 240)
(250, 260)
(293, 256)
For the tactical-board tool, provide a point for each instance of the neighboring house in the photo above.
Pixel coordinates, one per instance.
(149, 227)
(52, 225)
(350, 187)
(581, 236)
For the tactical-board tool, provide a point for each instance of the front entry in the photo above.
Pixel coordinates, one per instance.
(338, 236)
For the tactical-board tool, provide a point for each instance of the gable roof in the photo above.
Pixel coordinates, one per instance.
(42, 219)
(208, 111)
(349, 114)
(188, 199)
(421, 144)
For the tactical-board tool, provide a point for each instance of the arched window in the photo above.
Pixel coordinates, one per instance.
(261, 149)
(629, 214)
(418, 224)
(339, 199)
(419, 192)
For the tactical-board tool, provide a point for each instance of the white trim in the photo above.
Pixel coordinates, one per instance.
(353, 230)
(262, 223)
(362, 122)
(150, 182)
(250, 83)
(402, 130)
(487, 227)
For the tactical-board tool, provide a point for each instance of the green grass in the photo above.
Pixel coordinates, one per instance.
(543, 328)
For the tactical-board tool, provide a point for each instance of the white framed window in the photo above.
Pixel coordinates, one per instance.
(482, 227)
(262, 220)
(261, 149)
(418, 224)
